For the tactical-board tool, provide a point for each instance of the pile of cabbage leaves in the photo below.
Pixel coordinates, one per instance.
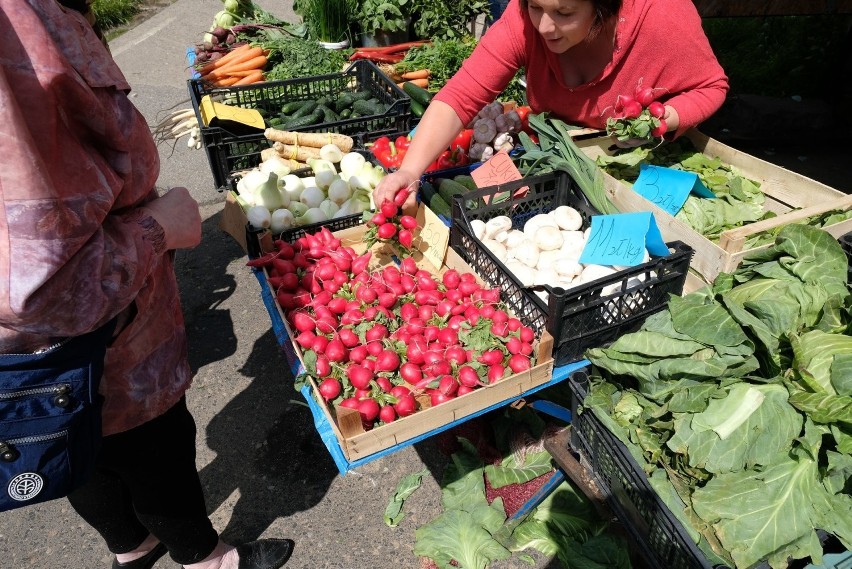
(737, 401)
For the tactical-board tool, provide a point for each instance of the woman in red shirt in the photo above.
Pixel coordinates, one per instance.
(578, 56)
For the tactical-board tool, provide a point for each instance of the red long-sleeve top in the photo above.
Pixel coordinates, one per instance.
(75, 248)
(659, 43)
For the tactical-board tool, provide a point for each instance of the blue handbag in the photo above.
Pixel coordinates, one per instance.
(50, 418)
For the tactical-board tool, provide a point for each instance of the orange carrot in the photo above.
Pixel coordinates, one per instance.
(418, 74)
(226, 81)
(242, 57)
(255, 77)
(208, 67)
(254, 63)
(419, 82)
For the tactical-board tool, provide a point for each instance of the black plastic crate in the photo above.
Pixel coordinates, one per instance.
(229, 151)
(661, 537)
(846, 243)
(578, 318)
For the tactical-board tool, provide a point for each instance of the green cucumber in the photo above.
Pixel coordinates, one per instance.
(367, 108)
(417, 108)
(292, 107)
(343, 102)
(416, 93)
(466, 181)
(308, 108)
(440, 207)
(448, 188)
(307, 120)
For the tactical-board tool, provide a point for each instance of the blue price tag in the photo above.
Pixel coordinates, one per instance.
(668, 188)
(621, 239)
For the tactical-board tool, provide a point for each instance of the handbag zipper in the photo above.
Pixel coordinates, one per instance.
(8, 452)
(41, 351)
(60, 389)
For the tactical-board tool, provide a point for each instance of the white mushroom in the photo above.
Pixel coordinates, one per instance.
(568, 218)
(497, 224)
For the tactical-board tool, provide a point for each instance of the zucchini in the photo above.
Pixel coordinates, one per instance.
(440, 207)
(416, 93)
(427, 190)
(292, 107)
(417, 108)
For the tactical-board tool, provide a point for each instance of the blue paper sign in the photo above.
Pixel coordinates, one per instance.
(668, 188)
(621, 239)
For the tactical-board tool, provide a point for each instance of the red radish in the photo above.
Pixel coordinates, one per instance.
(359, 264)
(330, 286)
(621, 101)
(514, 324)
(644, 95)
(448, 385)
(437, 397)
(384, 383)
(405, 405)
(285, 250)
(400, 391)
(387, 360)
(349, 338)
(320, 344)
(323, 366)
(448, 336)
(514, 345)
(444, 307)
(359, 376)
(390, 274)
(386, 231)
(351, 403)
(400, 197)
(329, 388)
(358, 354)
(407, 222)
(387, 299)
(453, 295)
(407, 282)
(468, 288)
(519, 363)
(660, 130)
(464, 390)
(303, 321)
(352, 317)
(387, 414)
(407, 311)
(490, 357)
(487, 311)
(656, 109)
(408, 265)
(526, 348)
(337, 305)
(341, 278)
(365, 294)
(369, 410)
(378, 218)
(426, 282)
(306, 339)
(468, 376)
(377, 332)
(405, 237)
(451, 279)
(426, 312)
(375, 348)
(369, 363)
(632, 110)
(283, 266)
(500, 329)
(361, 394)
(389, 209)
(327, 325)
(456, 355)
(336, 351)
(458, 310)
(438, 369)
(496, 373)
(286, 300)
(410, 372)
(527, 335)
(456, 321)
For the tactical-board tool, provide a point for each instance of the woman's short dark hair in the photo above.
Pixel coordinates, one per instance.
(604, 9)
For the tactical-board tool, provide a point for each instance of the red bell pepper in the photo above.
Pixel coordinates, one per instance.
(524, 112)
(402, 142)
(462, 140)
(452, 158)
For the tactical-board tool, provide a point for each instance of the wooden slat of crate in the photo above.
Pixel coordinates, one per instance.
(784, 190)
(355, 442)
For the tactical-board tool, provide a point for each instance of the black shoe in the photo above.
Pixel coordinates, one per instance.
(265, 553)
(145, 562)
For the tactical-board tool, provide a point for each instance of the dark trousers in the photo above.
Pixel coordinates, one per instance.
(147, 482)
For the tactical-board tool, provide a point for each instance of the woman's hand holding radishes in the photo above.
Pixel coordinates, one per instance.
(640, 118)
(376, 339)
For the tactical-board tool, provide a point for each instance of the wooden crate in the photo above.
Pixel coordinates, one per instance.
(785, 191)
(355, 442)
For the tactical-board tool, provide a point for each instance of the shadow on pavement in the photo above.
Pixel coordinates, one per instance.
(269, 462)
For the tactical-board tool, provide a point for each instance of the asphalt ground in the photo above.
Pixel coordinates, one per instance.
(264, 468)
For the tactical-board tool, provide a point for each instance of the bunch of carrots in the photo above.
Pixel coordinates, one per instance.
(242, 65)
(419, 77)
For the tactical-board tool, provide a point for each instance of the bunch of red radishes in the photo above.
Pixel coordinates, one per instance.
(388, 225)
(637, 117)
(376, 340)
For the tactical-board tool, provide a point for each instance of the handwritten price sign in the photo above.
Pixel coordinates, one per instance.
(433, 237)
(621, 239)
(668, 188)
(499, 169)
